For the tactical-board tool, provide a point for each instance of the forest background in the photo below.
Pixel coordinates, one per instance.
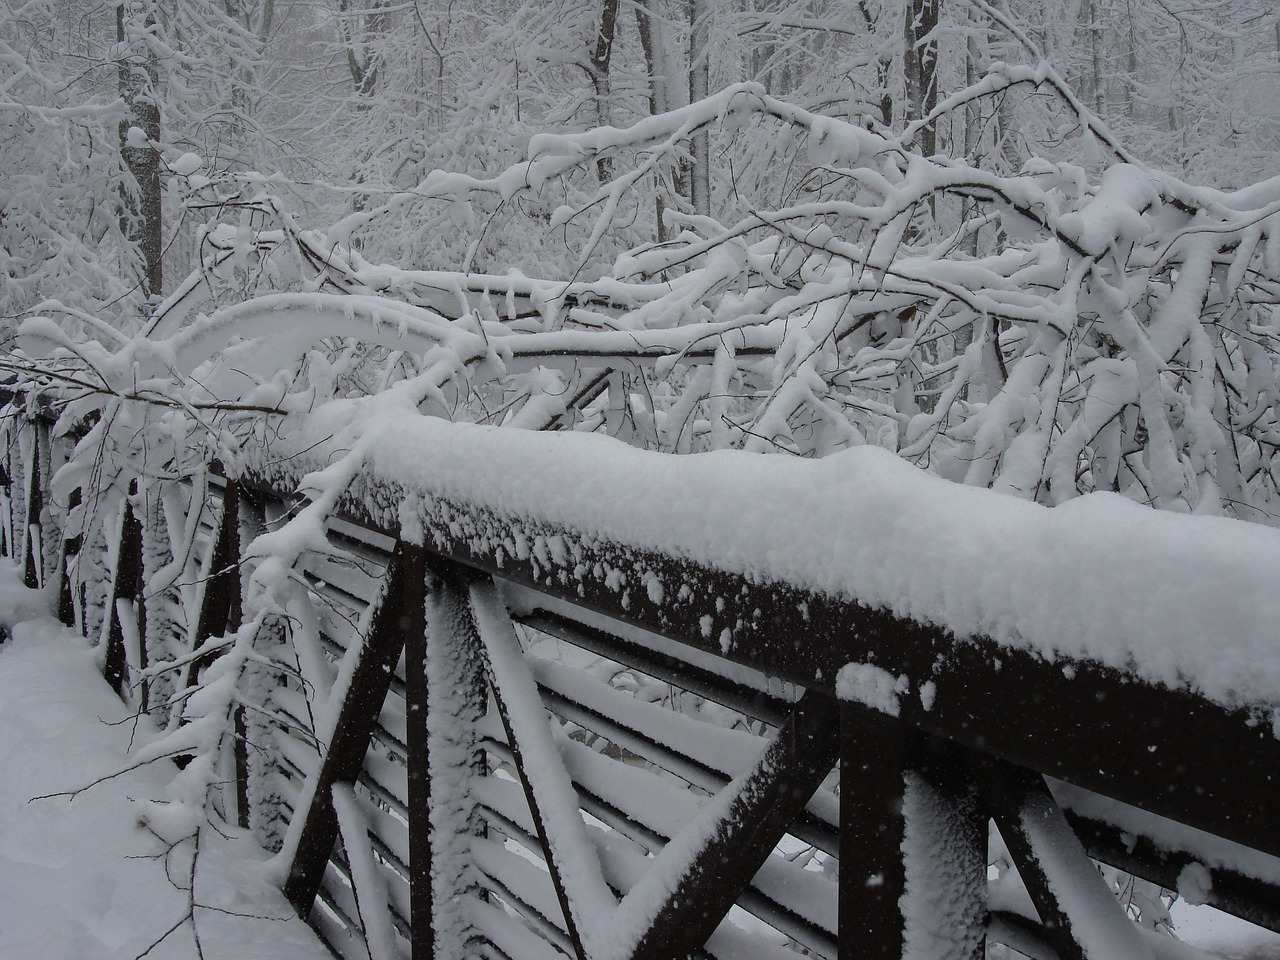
(992, 136)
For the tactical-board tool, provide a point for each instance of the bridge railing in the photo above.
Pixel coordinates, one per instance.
(733, 767)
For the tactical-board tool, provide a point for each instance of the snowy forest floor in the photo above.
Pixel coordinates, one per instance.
(82, 878)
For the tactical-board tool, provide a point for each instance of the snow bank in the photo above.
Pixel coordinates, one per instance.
(1185, 601)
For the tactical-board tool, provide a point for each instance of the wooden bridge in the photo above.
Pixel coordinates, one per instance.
(713, 783)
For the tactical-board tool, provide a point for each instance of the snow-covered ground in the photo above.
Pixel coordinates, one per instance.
(84, 878)
(87, 878)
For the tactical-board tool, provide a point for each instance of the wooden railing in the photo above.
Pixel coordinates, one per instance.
(690, 797)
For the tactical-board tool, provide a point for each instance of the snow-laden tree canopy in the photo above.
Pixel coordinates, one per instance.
(1121, 335)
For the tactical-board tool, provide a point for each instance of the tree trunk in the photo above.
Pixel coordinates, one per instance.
(974, 68)
(884, 66)
(141, 218)
(920, 66)
(1090, 82)
(1131, 74)
(649, 26)
(1004, 129)
(600, 59)
(360, 34)
(699, 82)
(650, 29)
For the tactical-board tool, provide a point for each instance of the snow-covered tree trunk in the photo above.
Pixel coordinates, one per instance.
(601, 58)
(920, 67)
(139, 77)
(699, 81)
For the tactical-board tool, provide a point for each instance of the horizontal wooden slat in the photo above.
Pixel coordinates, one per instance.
(527, 887)
(335, 914)
(713, 752)
(511, 938)
(752, 701)
(1160, 861)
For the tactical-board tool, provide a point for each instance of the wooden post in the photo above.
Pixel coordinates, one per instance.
(219, 614)
(873, 763)
(944, 853)
(126, 593)
(32, 552)
(70, 548)
(47, 520)
(6, 503)
(6, 499)
(220, 607)
(445, 673)
(252, 730)
(413, 617)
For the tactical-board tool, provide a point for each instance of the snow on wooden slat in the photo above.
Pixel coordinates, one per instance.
(390, 729)
(339, 899)
(342, 873)
(694, 749)
(521, 879)
(800, 901)
(389, 790)
(804, 911)
(725, 751)
(663, 809)
(510, 936)
(301, 756)
(352, 583)
(368, 880)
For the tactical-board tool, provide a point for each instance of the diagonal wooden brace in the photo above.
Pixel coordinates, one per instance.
(767, 800)
(220, 606)
(1081, 917)
(344, 757)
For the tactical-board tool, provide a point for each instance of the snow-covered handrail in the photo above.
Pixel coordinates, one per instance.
(1101, 579)
(809, 570)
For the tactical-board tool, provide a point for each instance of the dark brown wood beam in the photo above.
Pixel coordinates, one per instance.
(344, 755)
(126, 584)
(772, 795)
